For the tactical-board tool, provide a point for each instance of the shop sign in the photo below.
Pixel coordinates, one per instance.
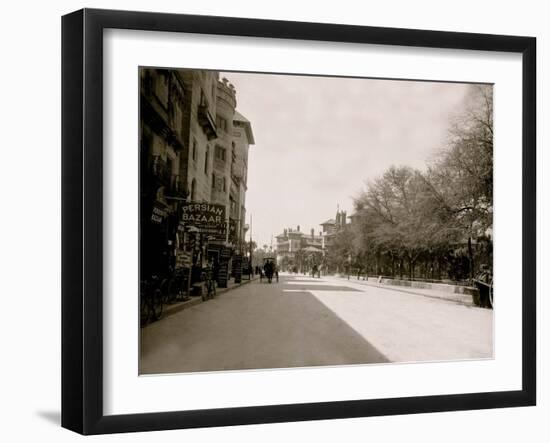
(203, 215)
(158, 214)
(183, 259)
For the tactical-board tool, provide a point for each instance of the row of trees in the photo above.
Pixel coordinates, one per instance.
(435, 223)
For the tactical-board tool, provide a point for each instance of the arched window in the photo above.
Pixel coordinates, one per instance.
(193, 189)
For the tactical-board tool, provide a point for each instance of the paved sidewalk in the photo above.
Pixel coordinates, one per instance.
(174, 308)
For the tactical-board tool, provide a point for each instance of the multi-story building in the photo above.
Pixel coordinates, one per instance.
(194, 149)
(288, 243)
(200, 132)
(332, 227)
(162, 144)
(243, 137)
(298, 250)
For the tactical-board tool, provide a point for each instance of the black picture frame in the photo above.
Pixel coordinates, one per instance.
(82, 218)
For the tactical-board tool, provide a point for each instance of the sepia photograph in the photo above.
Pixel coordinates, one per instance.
(295, 221)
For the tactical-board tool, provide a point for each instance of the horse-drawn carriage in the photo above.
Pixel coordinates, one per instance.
(484, 283)
(269, 270)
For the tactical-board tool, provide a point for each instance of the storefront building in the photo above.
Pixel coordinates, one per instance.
(191, 198)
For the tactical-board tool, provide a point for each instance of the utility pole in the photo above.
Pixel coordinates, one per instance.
(250, 240)
(227, 225)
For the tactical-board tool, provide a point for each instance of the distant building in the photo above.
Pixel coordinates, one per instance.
(296, 249)
(331, 227)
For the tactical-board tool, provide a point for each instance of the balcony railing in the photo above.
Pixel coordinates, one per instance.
(155, 112)
(159, 169)
(177, 186)
(237, 170)
(207, 121)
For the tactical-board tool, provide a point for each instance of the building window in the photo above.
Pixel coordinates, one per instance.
(224, 185)
(213, 181)
(161, 88)
(220, 153)
(178, 118)
(194, 151)
(206, 160)
(221, 123)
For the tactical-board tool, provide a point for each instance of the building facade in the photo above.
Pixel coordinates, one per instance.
(331, 227)
(298, 251)
(190, 157)
(243, 137)
(162, 148)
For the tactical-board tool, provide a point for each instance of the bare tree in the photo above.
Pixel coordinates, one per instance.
(406, 216)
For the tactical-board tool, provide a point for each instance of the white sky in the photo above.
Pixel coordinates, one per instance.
(318, 140)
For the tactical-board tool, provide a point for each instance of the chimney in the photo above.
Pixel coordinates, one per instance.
(312, 233)
(298, 228)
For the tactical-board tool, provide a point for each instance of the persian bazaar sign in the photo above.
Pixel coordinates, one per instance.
(204, 215)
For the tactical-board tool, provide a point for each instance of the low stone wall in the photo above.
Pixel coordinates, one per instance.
(452, 289)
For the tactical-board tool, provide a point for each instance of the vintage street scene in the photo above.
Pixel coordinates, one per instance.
(291, 221)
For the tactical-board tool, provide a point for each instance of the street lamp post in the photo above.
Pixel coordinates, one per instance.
(250, 246)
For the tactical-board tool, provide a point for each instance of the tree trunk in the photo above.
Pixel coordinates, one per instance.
(471, 257)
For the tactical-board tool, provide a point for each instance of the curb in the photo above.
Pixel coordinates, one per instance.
(172, 309)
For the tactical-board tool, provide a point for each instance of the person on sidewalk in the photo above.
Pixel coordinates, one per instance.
(314, 271)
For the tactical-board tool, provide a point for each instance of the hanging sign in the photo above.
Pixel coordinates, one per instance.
(203, 215)
(159, 213)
